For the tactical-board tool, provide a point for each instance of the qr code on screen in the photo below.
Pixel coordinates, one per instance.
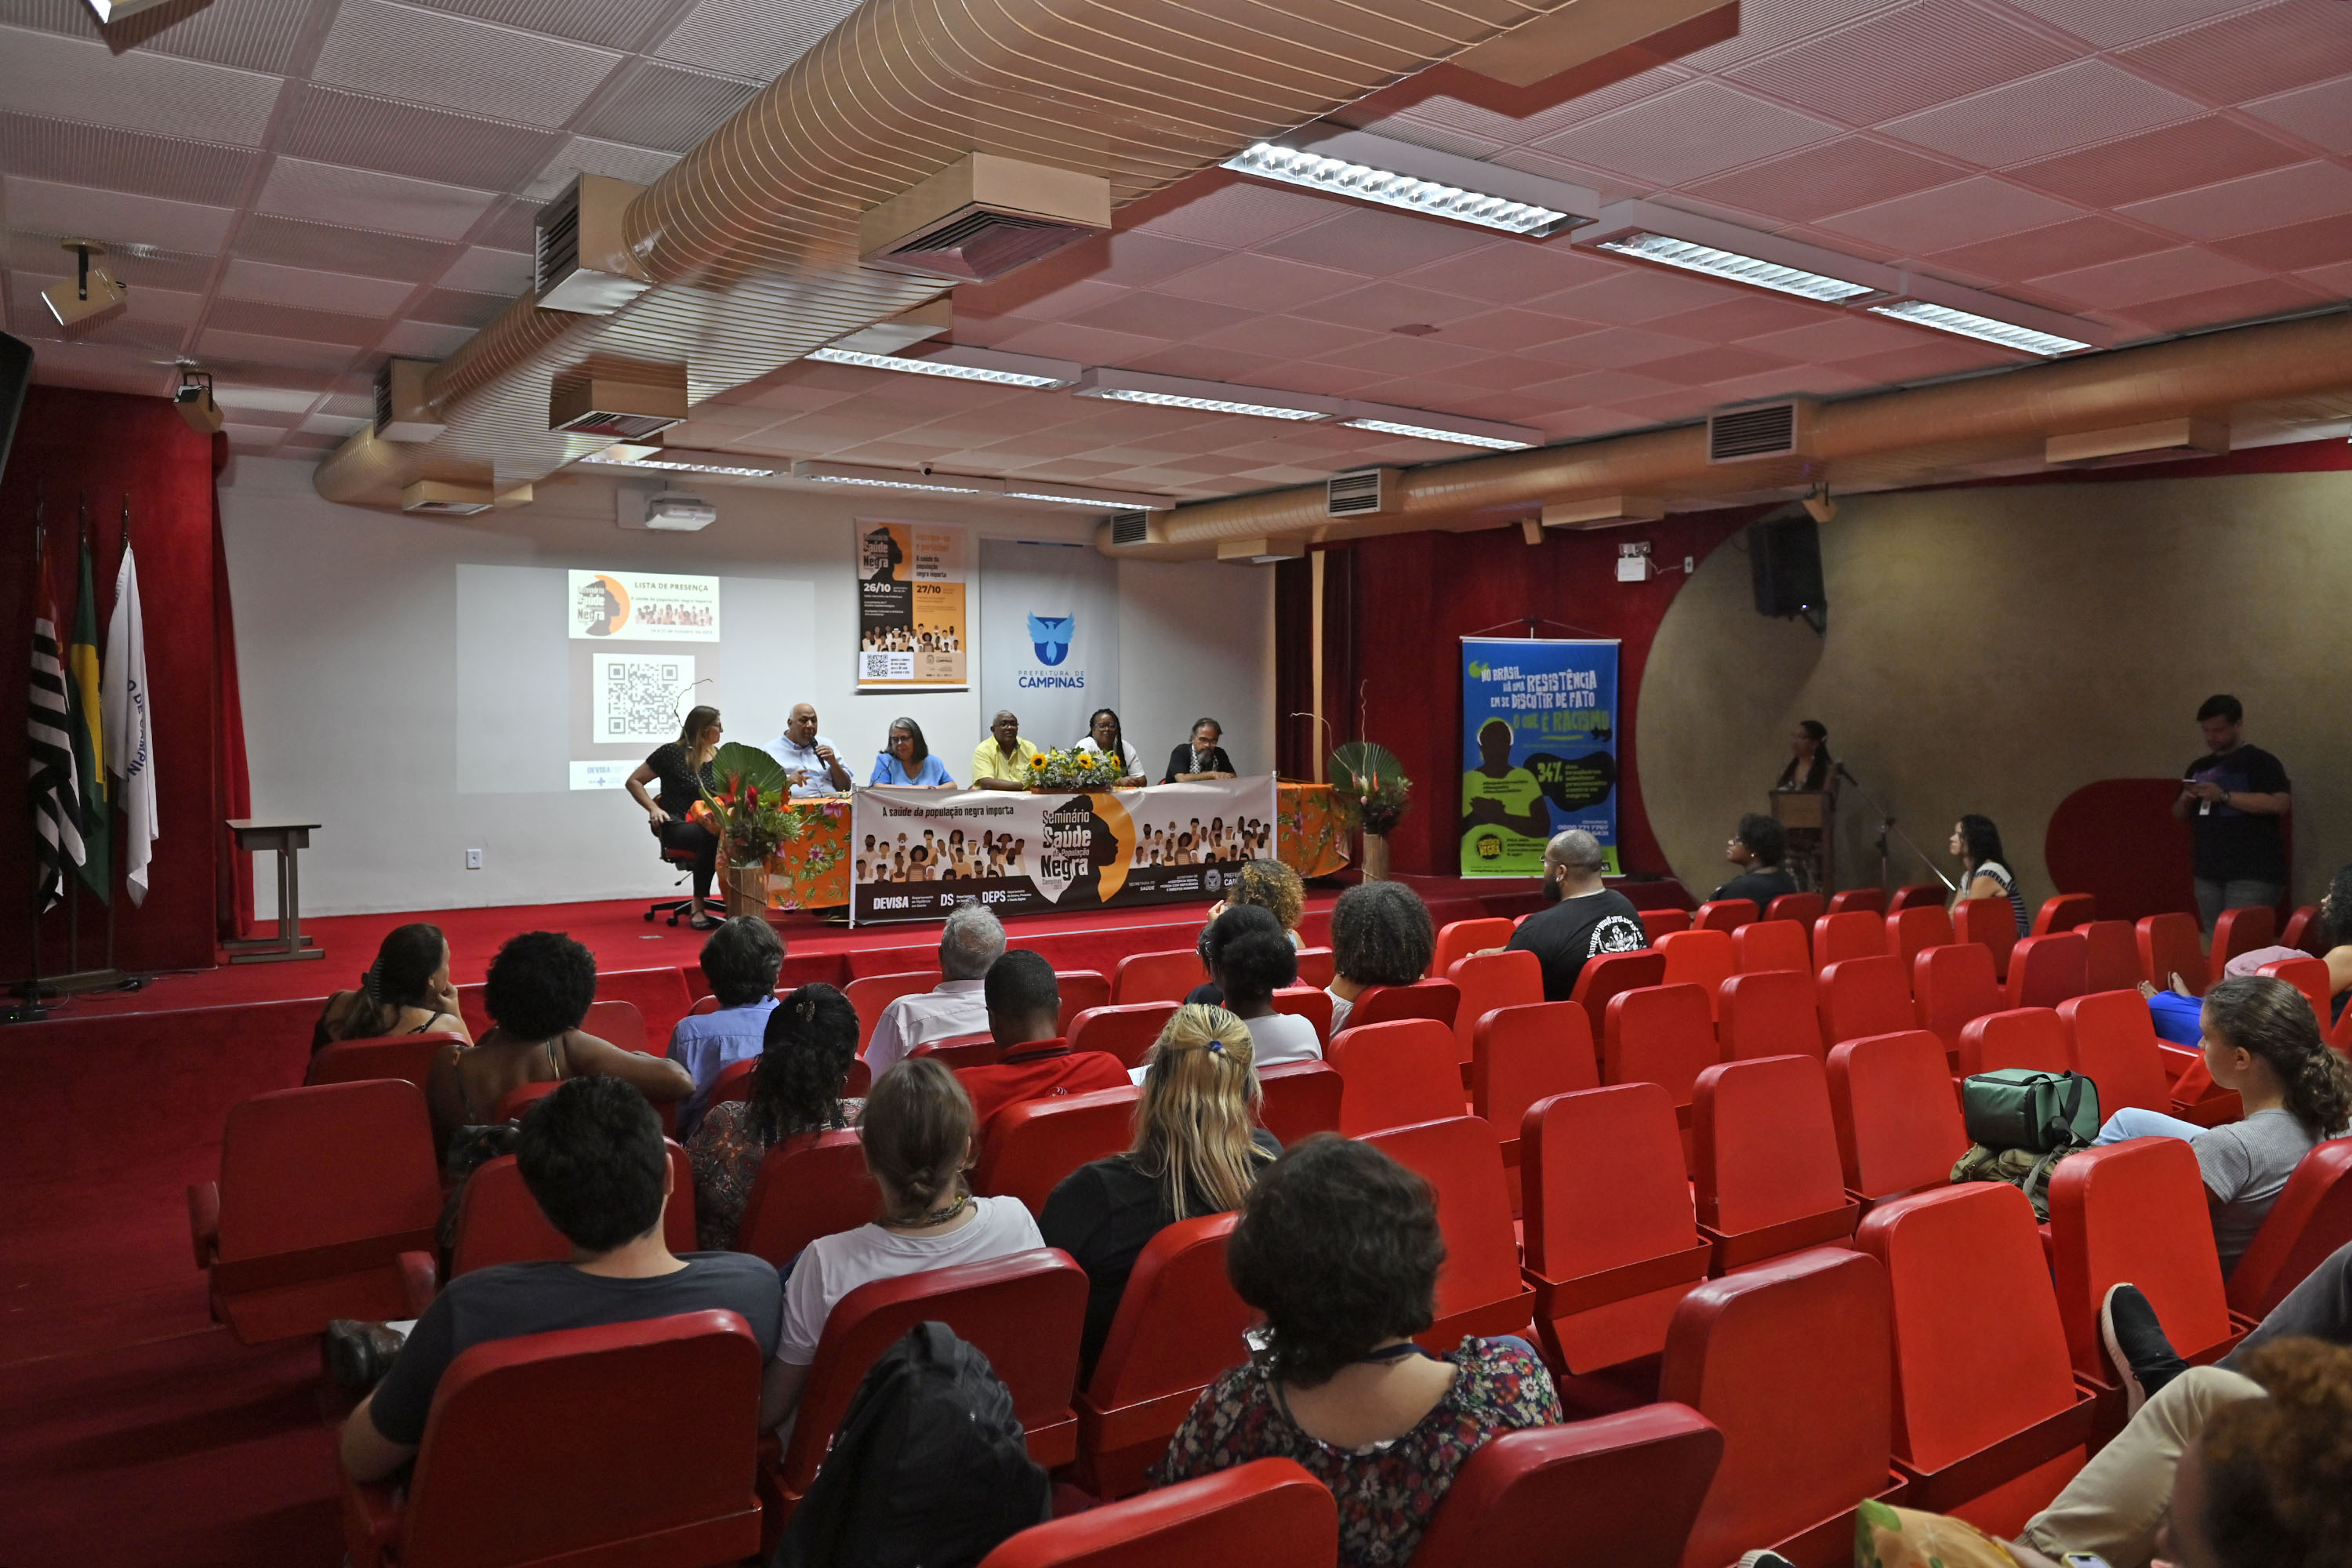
(638, 697)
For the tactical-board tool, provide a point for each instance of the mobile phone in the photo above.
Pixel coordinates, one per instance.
(2083, 1560)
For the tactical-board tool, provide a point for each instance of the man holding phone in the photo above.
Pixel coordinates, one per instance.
(2232, 799)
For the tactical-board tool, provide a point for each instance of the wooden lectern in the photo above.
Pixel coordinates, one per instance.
(1810, 816)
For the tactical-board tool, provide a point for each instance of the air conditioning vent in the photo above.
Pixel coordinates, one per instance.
(582, 264)
(401, 411)
(439, 497)
(616, 410)
(1359, 493)
(1765, 430)
(980, 217)
(979, 245)
(1131, 528)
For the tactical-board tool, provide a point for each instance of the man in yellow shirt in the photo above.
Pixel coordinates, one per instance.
(1001, 761)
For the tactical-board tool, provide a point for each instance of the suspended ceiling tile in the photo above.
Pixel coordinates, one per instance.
(1635, 295)
(1604, 387)
(430, 58)
(1617, 347)
(1476, 119)
(1284, 474)
(664, 106)
(2109, 23)
(1087, 346)
(2253, 302)
(146, 268)
(1379, 243)
(254, 349)
(1317, 378)
(2199, 152)
(2287, 45)
(2277, 199)
(1381, 306)
(1154, 315)
(1257, 283)
(1749, 314)
(1053, 305)
(2059, 248)
(2294, 247)
(506, 272)
(1841, 337)
(459, 308)
(1769, 24)
(1292, 337)
(333, 126)
(1834, 176)
(331, 248)
(1600, 101)
(2120, 285)
(137, 162)
(1672, 407)
(1506, 331)
(309, 289)
(114, 217)
(2335, 279)
(1241, 215)
(513, 228)
(1901, 60)
(276, 319)
(1929, 221)
(2320, 114)
(1205, 364)
(255, 35)
(1393, 355)
(1687, 132)
(752, 37)
(2073, 106)
(290, 401)
(67, 78)
(1420, 133)
(1928, 360)
(1514, 273)
(615, 24)
(584, 155)
(327, 193)
(1713, 364)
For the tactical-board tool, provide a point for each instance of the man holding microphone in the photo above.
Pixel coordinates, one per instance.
(809, 759)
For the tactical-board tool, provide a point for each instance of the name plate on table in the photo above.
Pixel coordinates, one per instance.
(915, 854)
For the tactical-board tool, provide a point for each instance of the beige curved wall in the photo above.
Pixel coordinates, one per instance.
(1993, 649)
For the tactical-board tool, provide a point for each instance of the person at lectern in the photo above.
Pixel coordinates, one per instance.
(908, 760)
(1001, 761)
(1758, 849)
(809, 759)
(1811, 766)
(683, 767)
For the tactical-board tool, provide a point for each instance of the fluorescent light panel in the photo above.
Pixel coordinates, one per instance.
(1430, 198)
(682, 460)
(1423, 425)
(1080, 495)
(897, 478)
(961, 365)
(1734, 267)
(1984, 328)
(1208, 396)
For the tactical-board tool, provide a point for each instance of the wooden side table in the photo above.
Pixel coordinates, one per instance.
(283, 839)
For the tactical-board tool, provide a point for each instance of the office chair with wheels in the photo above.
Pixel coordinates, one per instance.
(682, 861)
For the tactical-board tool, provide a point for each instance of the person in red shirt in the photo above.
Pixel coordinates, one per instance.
(1024, 1008)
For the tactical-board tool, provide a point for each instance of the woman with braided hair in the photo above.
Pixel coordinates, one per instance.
(406, 991)
(810, 1040)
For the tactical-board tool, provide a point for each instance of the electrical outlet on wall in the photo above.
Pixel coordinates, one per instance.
(473, 859)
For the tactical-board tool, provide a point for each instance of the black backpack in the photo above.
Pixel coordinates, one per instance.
(930, 1468)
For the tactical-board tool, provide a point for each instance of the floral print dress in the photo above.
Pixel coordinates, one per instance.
(1387, 1492)
(726, 1160)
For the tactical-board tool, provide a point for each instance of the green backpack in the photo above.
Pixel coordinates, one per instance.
(2022, 1123)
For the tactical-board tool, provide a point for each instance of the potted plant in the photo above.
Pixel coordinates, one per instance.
(751, 810)
(1051, 772)
(1369, 786)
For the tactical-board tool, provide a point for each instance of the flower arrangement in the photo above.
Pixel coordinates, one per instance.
(1073, 769)
(1369, 786)
(750, 808)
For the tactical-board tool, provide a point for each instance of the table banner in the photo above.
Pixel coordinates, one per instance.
(1538, 749)
(916, 854)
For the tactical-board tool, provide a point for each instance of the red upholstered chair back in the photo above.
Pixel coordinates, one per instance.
(1605, 976)
(2016, 1038)
(1311, 1002)
(1725, 914)
(1852, 898)
(499, 1222)
(2169, 944)
(870, 993)
(1023, 1312)
(2110, 955)
(1661, 1035)
(1488, 981)
(1396, 1074)
(1910, 932)
(2134, 1212)
(1664, 922)
(1080, 989)
(1632, 1482)
(1457, 940)
(702, 1006)
(1916, 895)
(733, 1083)
(405, 1056)
(1772, 1013)
(1270, 1513)
(1315, 966)
(1990, 921)
(1167, 976)
(807, 1187)
(1522, 1054)
(2067, 911)
(2312, 1218)
(2309, 975)
(1951, 985)
(2306, 931)
(330, 1166)
(1854, 933)
(2043, 971)
(1479, 1290)
(1764, 1144)
(1179, 1326)
(1302, 1098)
(1700, 958)
(1126, 1032)
(2111, 1040)
(1803, 907)
(1966, 1378)
(685, 1389)
(1794, 1362)
(517, 1101)
(1437, 1000)
(1772, 945)
(977, 1050)
(1898, 1125)
(2241, 931)
(1027, 1148)
(1865, 997)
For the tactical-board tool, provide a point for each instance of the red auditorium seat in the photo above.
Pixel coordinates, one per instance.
(686, 1389)
(2306, 931)
(325, 1208)
(1487, 982)
(1855, 933)
(734, 1081)
(1611, 1242)
(807, 1187)
(523, 1096)
(1766, 944)
(1864, 997)
(1898, 1124)
(1269, 1513)
(1396, 1074)
(1126, 1031)
(1991, 922)
(1479, 1290)
(2043, 971)
(1520, 1056)
(2064, 911)
(1917, 895)
(1156, 976)
(1626, 1486)
(1179, 1325)
(1951, 986)
(1774, 1013)
(1854, 898)
(702, 1006)
(1725, 914)
(1765, 1157)
(1989, 1420)
(1080, 989)
(1023, 1312)
(1436, 1000)
(2135, 1212)
(1803, 907)
(2111, 955)
(870, 993)
(1661, 1035)
(499, 1222)
(2306, 974)
(1700, 958)
(1457, 940)
(2169, 944)
(1793, 1362)
(1029, 1146)
(2015, 1037)
(616, 1023)
(2312, 1218)
(1656, 923)
(1911, 932)
(977, 1050)
(405, 1056)
(2240, 930)
(2111, 1040)
(1315, 966)
(1605, 976)
(1302, 1098)
(1311, 1002)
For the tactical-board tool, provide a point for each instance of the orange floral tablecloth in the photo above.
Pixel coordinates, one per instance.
(812, 869)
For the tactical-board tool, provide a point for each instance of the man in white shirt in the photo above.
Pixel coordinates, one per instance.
(969, 942)
(809, 759)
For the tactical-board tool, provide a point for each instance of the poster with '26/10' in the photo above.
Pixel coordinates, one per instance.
(913, 626)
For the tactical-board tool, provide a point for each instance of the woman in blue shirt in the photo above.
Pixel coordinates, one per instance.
(908, 760)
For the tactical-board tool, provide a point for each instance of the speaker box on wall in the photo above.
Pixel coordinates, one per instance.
(1785, 554)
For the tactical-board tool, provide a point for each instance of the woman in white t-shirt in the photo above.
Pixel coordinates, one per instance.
(1104, 735)
(918, 1140)
(1983, 873)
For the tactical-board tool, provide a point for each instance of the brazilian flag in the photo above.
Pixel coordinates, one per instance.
(88, 740)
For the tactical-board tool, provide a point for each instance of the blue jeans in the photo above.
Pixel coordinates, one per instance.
(2239, 893)
(2133, 1122)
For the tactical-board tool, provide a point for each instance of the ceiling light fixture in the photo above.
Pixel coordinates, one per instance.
(1734, 267)
(1423, 425)
(1207, 396)
(962, 364)
(681, 460)
(1085, 496)
(896, 478)
(1984, 328)
(1429, 198)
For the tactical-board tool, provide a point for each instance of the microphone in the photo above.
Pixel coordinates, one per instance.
(1840, 771)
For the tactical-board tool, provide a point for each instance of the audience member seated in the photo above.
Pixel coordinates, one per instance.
(1984, 871)
(2261, 1040)
(1339, 1246)
(537, 992)
(406, 991)
(1024, 1004)
(811, 1039)
(1201, 757)
(2336, 916)
(920, 1138)
(1251, 959)
(1268, 884)
(906, 759)
(1757, 848)
(741, 960)
(970, 940)
(1380, 935)
(1105, 735)
(1587, 918)
(593, 1159)
(1197, 1150)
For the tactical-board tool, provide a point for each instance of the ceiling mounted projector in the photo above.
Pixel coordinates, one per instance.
(92, 297)
(663, 511)
(193, 399)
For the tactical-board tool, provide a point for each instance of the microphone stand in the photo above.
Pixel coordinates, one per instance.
(1886, 825)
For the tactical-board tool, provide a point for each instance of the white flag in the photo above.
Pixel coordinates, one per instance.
(129, 728)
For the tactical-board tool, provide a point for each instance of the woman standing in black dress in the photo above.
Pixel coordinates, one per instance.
(683, 768)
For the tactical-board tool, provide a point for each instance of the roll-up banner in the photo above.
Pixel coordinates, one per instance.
(1048, 637)
(913, 628)
(916, 854)
(1538, 749)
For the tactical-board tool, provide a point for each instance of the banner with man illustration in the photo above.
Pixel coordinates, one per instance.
(912, 625)
(1538, 749)
(915, 854)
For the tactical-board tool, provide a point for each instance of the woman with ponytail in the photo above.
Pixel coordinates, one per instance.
(810, 1040)
(406, 991)
(1197, 1150)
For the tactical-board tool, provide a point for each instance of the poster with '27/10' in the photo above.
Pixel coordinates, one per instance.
(913, 626)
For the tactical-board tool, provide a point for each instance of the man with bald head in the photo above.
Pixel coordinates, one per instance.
(1001, 761)
(809, 759)
(1586, 918)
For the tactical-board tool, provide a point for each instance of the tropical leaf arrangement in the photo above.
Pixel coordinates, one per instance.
(751, 806)
(1073, 769)
(1369, 786)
